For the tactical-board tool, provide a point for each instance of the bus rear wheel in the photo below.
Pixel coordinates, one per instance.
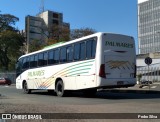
(60, 88)
(25, 88)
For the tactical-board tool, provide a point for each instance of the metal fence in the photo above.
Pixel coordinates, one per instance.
(10, 75)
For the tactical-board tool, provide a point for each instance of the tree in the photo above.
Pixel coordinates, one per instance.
(54, 35)
(7, 21)
(10, 44)
(57, 33)
(35, 45)
(139, 76)
(10, 41)
(60, 33)
(78, 33)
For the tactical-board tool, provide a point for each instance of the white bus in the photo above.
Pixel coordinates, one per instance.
(101, 60)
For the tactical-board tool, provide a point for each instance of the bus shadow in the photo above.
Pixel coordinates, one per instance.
(105, 94)
(118, 95)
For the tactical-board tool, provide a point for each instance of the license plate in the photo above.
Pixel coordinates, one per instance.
(120, 83)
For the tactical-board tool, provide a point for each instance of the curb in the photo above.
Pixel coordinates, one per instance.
(133, 91)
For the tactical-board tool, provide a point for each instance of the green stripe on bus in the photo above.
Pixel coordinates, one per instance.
(78, 73)
(72, 67)
(81, 63)
(80, 67)
(78, 70)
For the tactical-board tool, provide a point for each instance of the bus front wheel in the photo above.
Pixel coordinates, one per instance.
(25, 88)
(60, 88)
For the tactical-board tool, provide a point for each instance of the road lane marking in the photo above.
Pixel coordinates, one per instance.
(144, 87)
(153, 87)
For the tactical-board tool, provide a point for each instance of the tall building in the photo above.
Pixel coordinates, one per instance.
(40, 27)
(149, 26)
(149, 39)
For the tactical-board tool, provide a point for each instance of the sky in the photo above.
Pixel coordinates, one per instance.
(113, 16)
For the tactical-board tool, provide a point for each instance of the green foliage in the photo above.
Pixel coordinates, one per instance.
(7, 21)
(10, 42)
(58, 33)
(55, 34)
(78, 33)
(35, 45)
(139, 76)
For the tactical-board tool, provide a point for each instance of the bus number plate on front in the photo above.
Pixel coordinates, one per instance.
(120, 83)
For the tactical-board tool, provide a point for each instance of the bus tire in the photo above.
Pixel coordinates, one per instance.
(25, 88)
(60, 88)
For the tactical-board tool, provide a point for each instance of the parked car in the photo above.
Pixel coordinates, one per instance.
(146, 82)
(5, 81)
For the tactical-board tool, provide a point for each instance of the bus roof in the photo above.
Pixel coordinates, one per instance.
(68, 42)
(53, 45)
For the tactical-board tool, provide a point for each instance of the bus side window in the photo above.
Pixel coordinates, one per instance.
(76, 51)
(19, 67)
(69, 53)
(88, 49)
(94, 45)
(32, 61)
(63, 57)
(56, 56)
(82, 51)
(21, 62)
(51, 57)
(40, 59)
(24, 63)
(27, 63)
(35, 60)
(45, 58)
(91, 48)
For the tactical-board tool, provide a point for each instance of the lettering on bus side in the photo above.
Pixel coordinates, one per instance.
(36, 73)
(119, 44)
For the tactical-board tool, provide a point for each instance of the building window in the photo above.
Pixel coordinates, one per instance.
(55, 15)
(55, 22)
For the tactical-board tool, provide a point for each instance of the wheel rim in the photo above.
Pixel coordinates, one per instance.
(25, 87)
(59, 89)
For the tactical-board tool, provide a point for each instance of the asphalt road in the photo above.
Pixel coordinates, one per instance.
(103, 102)
(132, 101)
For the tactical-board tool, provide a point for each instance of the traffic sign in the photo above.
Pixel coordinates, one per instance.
(148, 60)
